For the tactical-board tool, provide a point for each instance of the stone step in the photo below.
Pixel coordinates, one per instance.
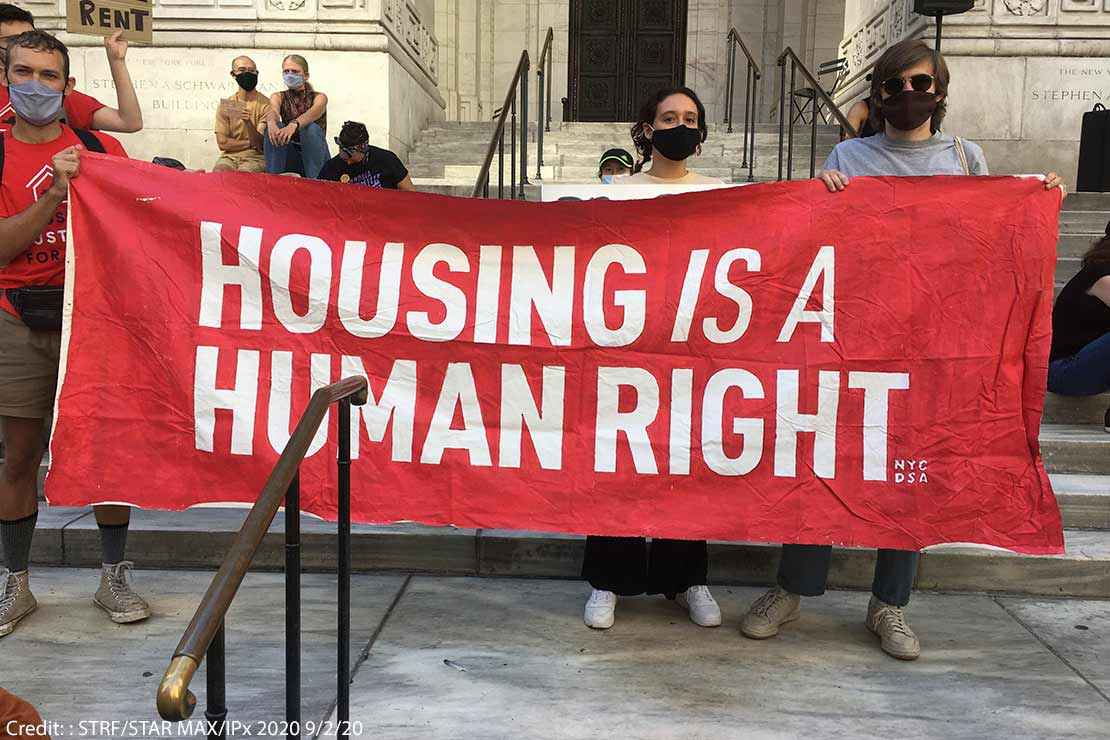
(1075, 448)
(1075, 245)
(1083, 222)
(1067, 267)
(1084, 500)
(1087, 202)
(200, 538)
(1075, 409)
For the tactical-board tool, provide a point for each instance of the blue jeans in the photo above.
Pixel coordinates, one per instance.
(312, 150)
(1085, 373)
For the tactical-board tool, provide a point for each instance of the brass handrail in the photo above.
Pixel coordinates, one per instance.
(734, 35)
(175, 701)
(827, 101)
(482, 184)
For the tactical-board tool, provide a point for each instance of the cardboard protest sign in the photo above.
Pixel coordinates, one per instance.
(105, 17)
(773, 362)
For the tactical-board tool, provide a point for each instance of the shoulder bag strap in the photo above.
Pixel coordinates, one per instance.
(961, 154)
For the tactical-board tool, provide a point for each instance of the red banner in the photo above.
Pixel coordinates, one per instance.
(771, 363)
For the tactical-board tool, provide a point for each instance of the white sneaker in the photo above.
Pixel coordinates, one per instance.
(600, 609)
(701, 605)
(771, 611)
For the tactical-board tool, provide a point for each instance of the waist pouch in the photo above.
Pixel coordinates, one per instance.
(39, 307)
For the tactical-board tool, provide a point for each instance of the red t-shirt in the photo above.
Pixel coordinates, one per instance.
(28, 173)
(79, 108)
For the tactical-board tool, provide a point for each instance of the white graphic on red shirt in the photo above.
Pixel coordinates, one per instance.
(6, 110)
(41, 182)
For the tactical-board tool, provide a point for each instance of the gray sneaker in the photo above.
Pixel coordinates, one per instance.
(16, 600)
(774, 609)
(890, 626)
(116, 597)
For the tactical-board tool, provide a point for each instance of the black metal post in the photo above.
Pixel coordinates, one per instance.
(782, 111)
(730, 81)
(813, 138)
(790, 129)
(936, 45)
(547, 123)
(343, 657)
(216, 711)
(747, 96)
(539, 126)
(523, 131)
(752, 118)
(501, 165)
(293, 605)
(512, 151)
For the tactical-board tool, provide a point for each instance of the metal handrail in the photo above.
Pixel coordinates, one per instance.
(786, 127)
(543, 92)
(497, 141)
(204, 636)
(752, 76)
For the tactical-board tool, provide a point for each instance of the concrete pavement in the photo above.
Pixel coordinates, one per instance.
(521, 664)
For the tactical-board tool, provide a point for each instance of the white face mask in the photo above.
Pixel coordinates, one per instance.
(610, 179)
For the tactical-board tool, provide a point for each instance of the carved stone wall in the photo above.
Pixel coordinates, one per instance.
(377, 60)
(866, 38)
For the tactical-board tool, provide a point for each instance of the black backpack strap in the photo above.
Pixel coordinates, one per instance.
(90, 140)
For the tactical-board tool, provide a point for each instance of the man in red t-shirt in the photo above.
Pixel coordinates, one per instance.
(41, 155)
(81, 111)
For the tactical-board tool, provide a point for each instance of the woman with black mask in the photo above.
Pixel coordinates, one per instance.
(909, 91)
(670, 129)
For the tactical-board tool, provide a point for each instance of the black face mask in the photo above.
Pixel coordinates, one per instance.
(909, 109)
(247, 80)
(676, 143)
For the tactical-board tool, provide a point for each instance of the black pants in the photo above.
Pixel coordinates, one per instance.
(630, 566)
(804, 570)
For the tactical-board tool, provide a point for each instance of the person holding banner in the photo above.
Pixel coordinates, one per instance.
(297, 123)
(81, 111)
(670, 129)
(1079, 364)
(40, 156)
(909, 87)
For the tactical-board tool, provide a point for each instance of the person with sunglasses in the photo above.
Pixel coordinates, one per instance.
(362, 164)
(909, 87)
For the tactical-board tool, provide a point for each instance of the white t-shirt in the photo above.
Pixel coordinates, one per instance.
(690, 178)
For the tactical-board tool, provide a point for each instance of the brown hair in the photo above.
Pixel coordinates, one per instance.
(898, 59)
(1099, 253)
(647, 118)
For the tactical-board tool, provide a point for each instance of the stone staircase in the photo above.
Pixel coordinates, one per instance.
(448, 155)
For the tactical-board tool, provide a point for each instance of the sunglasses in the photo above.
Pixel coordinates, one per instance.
(348, 151)
(919, 82)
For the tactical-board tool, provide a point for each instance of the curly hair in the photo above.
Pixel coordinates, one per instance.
(647, 118)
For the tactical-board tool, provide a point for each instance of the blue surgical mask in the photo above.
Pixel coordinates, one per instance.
(35, 103)
(292, 80)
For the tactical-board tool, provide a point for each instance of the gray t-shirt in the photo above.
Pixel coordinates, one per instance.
(878, 156)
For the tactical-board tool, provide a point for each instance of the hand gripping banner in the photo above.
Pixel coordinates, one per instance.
(773, 362)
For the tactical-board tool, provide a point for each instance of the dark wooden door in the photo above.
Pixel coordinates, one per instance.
(622, 51)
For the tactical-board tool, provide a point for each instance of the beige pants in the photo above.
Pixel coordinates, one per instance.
(250, 161)
(28, 369)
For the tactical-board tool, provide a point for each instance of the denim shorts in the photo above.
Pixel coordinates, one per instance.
(1085, 373)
